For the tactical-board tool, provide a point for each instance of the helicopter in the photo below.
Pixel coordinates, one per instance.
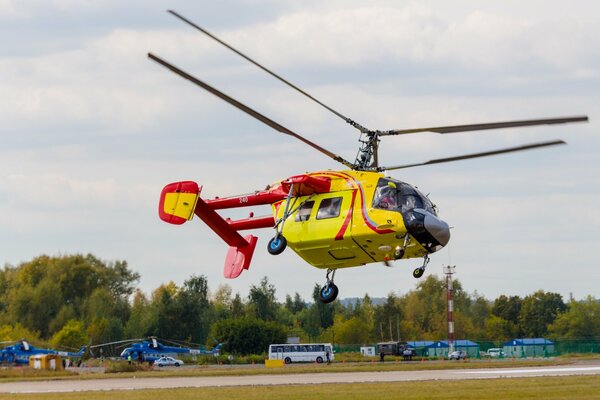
(19, 352)
(331, 219)
(151, 349)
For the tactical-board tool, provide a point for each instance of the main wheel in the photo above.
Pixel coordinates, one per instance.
(319, 360)
(277, 245)
(287, 360)
(328, 293)
(418, 272)
(398, 254)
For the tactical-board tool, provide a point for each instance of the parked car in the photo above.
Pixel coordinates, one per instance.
(457, 355)
(495, 353)
(168, 362)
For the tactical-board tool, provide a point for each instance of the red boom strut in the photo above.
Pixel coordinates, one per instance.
(180, 200)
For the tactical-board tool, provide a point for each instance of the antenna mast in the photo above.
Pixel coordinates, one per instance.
(449, 271)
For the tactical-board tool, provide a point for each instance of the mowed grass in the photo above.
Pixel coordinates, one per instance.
(572, 387)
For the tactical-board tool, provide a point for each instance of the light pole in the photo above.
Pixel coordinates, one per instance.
(449, 271)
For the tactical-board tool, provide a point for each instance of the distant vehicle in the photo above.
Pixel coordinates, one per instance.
(395, 349)
(495, 353)
(289, 353)
(457, 355)
(19, 353)
(168, 362)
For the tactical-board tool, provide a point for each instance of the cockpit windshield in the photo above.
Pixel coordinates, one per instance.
(400, 196)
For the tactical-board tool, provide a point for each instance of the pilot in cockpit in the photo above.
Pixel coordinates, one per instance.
(386, 197)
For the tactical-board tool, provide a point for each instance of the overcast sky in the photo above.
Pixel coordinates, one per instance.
(91, 130)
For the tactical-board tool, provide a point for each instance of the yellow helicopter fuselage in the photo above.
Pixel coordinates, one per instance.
(355, 233)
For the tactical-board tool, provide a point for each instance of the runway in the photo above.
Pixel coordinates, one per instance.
(292, 379)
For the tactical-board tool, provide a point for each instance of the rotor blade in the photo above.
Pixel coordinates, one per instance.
(477, 155)
(268, 71)
(248, 110)
(492, 125)
(117, 342)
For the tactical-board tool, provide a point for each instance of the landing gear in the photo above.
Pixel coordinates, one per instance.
(400, 250)
(418, 272)
(329, 292)
(277, 245)
(398, 253)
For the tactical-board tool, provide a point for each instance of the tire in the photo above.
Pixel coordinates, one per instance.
(418, 272)
(398, 254)
(328, 293)
(287, 360)
(277, 245)
(319, 360)
(177, 364)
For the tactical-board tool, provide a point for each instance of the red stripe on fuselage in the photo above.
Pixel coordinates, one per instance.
(340, 234)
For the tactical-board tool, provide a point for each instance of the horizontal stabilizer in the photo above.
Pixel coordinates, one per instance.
(178, 202)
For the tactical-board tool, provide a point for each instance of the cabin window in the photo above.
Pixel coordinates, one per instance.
(329, 208)
(303, 213)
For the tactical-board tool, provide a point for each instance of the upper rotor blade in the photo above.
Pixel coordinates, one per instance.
(248, 110)
(492, 125)
(477, 155)
(268, 71)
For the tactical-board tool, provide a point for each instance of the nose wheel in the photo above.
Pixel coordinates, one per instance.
(329, 292)
(418, 272)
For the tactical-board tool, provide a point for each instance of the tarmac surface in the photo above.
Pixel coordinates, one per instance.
(294, 379)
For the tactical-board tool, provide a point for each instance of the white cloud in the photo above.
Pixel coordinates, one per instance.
(93, 130)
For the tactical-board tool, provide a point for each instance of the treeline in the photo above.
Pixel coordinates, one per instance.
(69, 299)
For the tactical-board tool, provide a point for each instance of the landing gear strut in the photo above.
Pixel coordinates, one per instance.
(278, 244)
(418, 272)
(399, 251)
(329, 292)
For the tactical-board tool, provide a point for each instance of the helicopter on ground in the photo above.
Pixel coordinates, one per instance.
(20, 351)
(332, 219)
(151, 349)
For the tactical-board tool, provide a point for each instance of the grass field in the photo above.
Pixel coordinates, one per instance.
(577, 387)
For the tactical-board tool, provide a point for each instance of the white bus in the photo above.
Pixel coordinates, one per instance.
(313, 352)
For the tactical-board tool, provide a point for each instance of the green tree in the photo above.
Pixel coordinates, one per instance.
(498, 329)
(296, 304)
(508, 308)
(538, 311)
(262, 301)
(247, 335)
(194, 310)
(72, 335)
(581, 320)
(141, 319)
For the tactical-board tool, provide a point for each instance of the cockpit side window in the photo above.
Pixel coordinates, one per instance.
(386, 196)
(303, 213)
(399, 196)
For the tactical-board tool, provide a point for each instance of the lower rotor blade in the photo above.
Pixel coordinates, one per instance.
(477, 155)
(248, 110)
(492, 125)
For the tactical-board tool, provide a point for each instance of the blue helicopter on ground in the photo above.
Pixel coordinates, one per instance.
(150, 350)
(19, 352)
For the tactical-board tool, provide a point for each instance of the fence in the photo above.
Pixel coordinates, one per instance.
(559, 347)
